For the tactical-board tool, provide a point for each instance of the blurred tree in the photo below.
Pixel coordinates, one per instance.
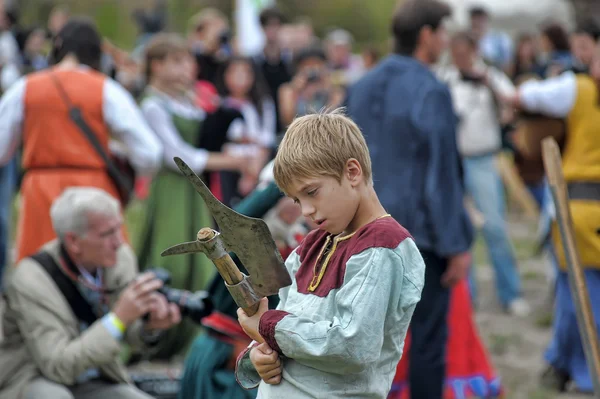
(367, 21)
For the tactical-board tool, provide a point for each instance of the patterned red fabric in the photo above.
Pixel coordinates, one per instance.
(469, 371)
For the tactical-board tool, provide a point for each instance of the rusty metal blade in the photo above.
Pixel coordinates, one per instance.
(248, 237)
(184, 248)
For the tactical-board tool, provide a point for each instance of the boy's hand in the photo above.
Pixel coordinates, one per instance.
(250, 323)
(267, 363)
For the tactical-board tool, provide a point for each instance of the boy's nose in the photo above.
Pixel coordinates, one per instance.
(307, 210)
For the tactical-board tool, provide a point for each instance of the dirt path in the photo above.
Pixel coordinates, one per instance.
(517, 345)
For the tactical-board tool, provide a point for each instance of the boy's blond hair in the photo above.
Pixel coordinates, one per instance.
(320, 144)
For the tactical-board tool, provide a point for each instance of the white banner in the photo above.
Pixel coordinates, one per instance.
(250, 37)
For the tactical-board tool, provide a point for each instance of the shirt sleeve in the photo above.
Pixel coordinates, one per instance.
(553, 97)
(11, 120)
(444, 193)
(128, 125)
(364, 307)
(501, 84)
(174, 146)
(9, 75)
(245, 373)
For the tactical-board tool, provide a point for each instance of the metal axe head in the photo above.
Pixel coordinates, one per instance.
(249, 238)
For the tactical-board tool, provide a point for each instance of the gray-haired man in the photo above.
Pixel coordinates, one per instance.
(48, 351)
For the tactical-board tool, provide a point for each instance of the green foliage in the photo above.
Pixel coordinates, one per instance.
(369, 22)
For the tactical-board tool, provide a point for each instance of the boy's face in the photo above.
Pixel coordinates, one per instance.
(329, 204)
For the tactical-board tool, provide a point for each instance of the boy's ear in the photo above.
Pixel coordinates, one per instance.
(353, 172)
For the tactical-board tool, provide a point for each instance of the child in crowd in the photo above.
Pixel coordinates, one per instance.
(339, 328)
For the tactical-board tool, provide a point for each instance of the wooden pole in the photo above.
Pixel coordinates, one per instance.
(577, 283)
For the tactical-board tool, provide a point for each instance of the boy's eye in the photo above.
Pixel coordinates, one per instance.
(312, 193)
(296, 201)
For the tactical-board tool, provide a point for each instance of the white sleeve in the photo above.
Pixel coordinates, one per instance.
(174, 146)
(501, 84)
(553, 97)
(236, 129)
(11, 120)
(127, 124)
(268, 126)
(9, 75)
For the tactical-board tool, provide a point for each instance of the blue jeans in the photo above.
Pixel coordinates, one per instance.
(8, 179)
(484, 185)
(538, 192)
(565, 351)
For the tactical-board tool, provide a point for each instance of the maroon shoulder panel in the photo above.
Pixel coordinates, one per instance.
(381, 233)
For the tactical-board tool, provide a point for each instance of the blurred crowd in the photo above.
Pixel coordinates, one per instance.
(195, 96)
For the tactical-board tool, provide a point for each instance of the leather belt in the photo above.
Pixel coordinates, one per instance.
(589, 191)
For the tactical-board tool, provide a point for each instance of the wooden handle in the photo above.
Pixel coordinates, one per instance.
(226, 267)
(577, 283)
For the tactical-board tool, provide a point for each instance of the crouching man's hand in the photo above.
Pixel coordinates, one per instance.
(137, 299)
(267, 363)
(163, 315)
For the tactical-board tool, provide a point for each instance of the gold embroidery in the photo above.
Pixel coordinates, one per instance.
(316, 280)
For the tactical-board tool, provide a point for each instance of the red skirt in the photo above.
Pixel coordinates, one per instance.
(469, 372)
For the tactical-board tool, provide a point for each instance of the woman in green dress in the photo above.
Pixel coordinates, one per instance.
(175, 212)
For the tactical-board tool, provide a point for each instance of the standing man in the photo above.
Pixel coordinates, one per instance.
(407, 118)
(476, 92)
(56, 153)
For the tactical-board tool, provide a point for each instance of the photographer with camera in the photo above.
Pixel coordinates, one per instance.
(310, 88)
(72, 304)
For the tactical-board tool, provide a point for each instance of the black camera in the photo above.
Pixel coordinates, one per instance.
(194, 305)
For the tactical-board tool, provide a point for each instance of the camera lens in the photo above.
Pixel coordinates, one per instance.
(195, 305)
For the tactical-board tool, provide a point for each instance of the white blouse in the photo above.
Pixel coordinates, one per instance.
(258, 129)
(158, 110)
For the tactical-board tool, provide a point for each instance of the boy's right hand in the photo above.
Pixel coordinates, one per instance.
(267, 363)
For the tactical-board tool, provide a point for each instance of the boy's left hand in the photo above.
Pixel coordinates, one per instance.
(250, 323)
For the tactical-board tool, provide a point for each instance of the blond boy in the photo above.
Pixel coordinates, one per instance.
(339, 328)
